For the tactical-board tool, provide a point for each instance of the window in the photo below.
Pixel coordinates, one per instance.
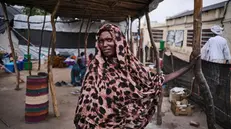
(189, 38)
(206, 34)
(157, 35)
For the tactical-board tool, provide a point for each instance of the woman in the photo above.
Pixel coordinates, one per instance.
(118, 91)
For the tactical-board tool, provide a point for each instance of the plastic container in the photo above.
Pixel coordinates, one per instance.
(26, 56)
(27, 65)
(162, 45)
(10, 67)
(20, 65)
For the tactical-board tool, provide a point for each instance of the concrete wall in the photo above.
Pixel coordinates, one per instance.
(185, 23)
(227, 24)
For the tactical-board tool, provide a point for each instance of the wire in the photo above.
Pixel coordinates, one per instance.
(225, 11)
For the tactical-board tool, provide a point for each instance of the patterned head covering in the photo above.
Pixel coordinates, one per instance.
(125, 89)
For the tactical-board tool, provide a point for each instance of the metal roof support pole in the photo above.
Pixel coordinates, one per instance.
(28, 41)
(86, 37)
(199, 76)
(51, 80)
(44, 20)
(79, 40)
(11, 45)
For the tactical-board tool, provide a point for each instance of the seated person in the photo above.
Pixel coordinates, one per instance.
(77, 73)
(90, 58)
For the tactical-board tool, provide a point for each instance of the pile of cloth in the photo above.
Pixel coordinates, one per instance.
(59, 62)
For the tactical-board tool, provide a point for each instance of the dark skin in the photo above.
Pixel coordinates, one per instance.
(107, 46)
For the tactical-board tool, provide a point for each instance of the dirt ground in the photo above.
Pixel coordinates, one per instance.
(12, 107)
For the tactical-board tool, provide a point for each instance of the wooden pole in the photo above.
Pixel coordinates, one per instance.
(20, 80)
(141, 46)
(131, 37)
(172, 62)
(20, 35)
(139, 42)
(40, 46)
(127, 28)
(49, 54)
(79, 41)
(156, 54)
(11, 45)
(28, 42)
(51, 80)
(199, 76)
(86, 37)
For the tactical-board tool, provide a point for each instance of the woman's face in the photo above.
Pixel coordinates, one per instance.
(106, 44)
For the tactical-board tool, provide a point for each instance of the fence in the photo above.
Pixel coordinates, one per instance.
(218, 79)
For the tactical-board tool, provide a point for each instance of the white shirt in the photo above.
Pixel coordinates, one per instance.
(216, 50)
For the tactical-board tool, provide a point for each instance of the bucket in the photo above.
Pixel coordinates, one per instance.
(26, 56)
(162, 45)
(20, 65)
(10, 67)
(37, 101)
(28, 65)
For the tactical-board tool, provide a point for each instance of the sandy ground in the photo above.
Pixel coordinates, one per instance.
(12, 107)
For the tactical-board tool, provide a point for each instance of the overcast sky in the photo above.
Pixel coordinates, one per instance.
(169, 8)
(172, 7)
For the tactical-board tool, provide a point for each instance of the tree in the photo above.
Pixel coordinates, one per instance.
(34, 11)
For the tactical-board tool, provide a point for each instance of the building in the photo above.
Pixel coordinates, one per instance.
(178, 30)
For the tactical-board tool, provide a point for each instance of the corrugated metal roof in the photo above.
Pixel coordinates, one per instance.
(207, 8)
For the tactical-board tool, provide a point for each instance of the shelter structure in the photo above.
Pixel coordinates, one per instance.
(115, 11)
(110, 10)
